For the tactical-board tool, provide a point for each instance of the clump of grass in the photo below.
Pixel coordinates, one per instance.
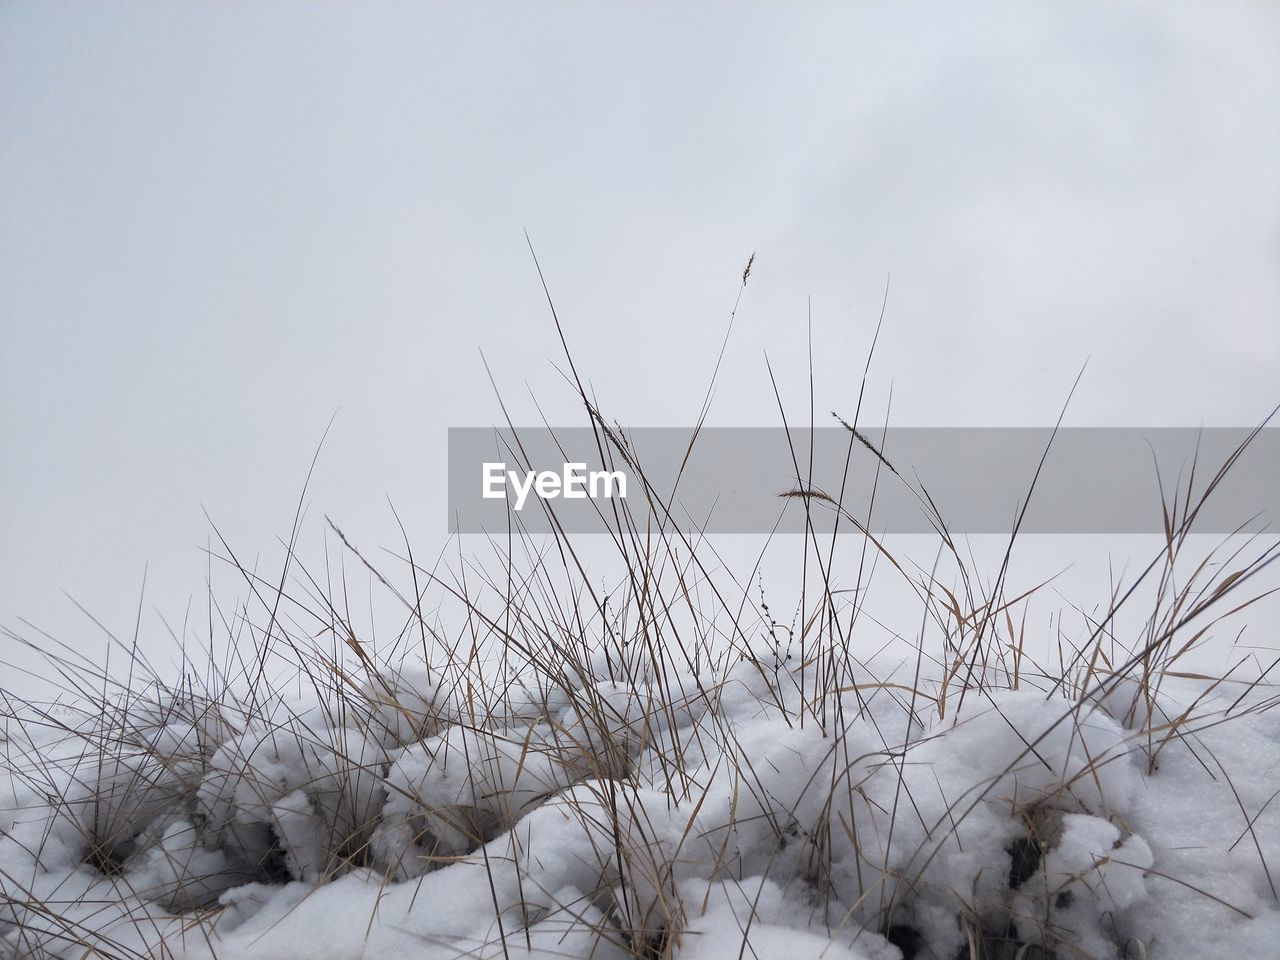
(709, 756)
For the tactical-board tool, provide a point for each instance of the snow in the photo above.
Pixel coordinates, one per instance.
(705, 816)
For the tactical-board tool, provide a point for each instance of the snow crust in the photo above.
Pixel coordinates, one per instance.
(619, 820)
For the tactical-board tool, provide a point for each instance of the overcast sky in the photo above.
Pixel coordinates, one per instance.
(224, 223)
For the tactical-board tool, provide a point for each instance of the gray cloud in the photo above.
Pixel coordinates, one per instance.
(222, 224)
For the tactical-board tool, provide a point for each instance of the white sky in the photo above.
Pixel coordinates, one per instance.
(221, 223)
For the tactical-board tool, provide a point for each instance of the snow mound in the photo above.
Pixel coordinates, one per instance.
(682, 818)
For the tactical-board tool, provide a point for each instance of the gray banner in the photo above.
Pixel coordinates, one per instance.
(757, 480)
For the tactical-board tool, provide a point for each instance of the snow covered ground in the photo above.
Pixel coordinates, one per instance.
(642, 812)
